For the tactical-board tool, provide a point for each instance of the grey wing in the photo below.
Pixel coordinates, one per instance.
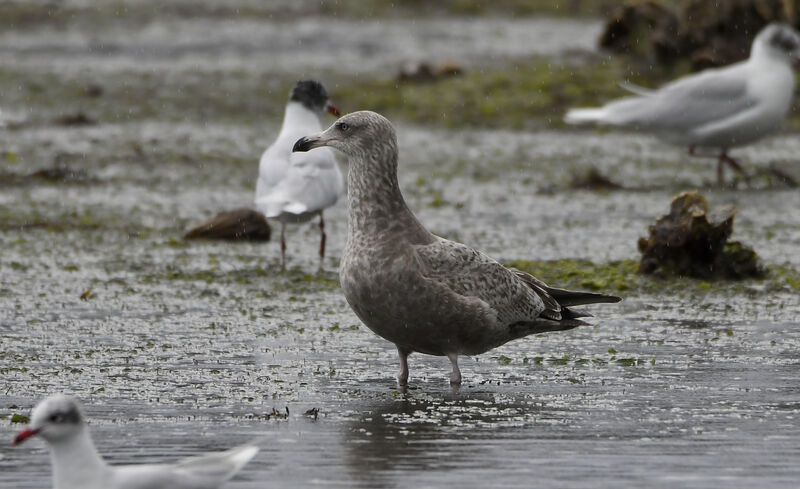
(157, 477)
(203, 472)
(219, 466)
(470, 273)
(687, 102)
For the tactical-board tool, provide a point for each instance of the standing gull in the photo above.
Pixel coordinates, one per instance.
(77, 465)
(716, 108)
(421, 292)
(293, 187)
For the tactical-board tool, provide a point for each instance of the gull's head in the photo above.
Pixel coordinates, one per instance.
(313, 96)
(358, 134)
(778, 40)
(56, 418)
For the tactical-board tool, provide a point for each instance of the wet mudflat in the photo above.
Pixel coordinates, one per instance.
(179, 348)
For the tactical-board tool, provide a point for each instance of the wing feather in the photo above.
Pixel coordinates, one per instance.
(687, 102)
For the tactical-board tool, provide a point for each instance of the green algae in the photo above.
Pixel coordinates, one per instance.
(524, 93)
(19, 419)
(529, 93)
(621, 277)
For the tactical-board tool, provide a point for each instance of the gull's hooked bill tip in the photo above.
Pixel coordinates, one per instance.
(302, 144)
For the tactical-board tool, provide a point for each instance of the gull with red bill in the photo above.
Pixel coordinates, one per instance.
(296, 187)
(717, 109)
(60, 421)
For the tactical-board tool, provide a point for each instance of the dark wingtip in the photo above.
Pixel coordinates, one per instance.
(302, 144)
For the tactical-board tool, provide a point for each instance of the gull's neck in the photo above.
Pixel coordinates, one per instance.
(761, 54)
(299, 118)
(375, 205)
(76, 463)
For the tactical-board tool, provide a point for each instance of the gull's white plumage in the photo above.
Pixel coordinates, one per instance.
(718, 108)
(295, 187)
(77, 464)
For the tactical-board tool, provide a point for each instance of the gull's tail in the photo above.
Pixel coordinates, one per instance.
(557, 315)
(567, 298)
(583, 116)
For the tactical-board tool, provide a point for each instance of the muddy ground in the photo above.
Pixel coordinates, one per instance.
(155, 120)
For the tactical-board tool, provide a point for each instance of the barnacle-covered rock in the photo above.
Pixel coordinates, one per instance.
(692, 240)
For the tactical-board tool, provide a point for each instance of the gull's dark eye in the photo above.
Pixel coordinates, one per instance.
(56, 418)
(344, 127)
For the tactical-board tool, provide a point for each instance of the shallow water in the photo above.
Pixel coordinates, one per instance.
(301, 44)
(183, 348)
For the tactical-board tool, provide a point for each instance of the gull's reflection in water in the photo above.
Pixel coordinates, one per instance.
(421, 432)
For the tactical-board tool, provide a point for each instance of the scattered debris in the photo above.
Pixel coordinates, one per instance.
(692, 240)
(86, 295)
(780, 175)
(276, 414)
(422, 71)
(236, 225)
(93, 90)
(76, 119)
(593, 180)
(61, 173)
(58, 173)
(313, 412)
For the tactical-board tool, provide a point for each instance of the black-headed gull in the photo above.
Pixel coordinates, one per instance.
(294, 187)
(717, 108)
(422, 292)
(60, 421)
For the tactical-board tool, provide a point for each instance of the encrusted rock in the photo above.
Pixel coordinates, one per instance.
(702, 32)
(646, 29)
(693, 240)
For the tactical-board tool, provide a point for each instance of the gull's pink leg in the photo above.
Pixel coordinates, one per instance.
(321, 240)
(735, 165)
(402, 377)
(283, 246)
(455, 375)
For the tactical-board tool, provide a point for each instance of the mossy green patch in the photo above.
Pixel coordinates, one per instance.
(20, 419)
(525, 94)
(620, 277)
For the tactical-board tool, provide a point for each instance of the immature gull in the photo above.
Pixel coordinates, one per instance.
(77, 465)
(292, 187)
(716, 108)
(419, 291)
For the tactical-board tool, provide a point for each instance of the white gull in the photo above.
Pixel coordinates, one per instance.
(294, 187)
(60, 421)
(717, 108)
